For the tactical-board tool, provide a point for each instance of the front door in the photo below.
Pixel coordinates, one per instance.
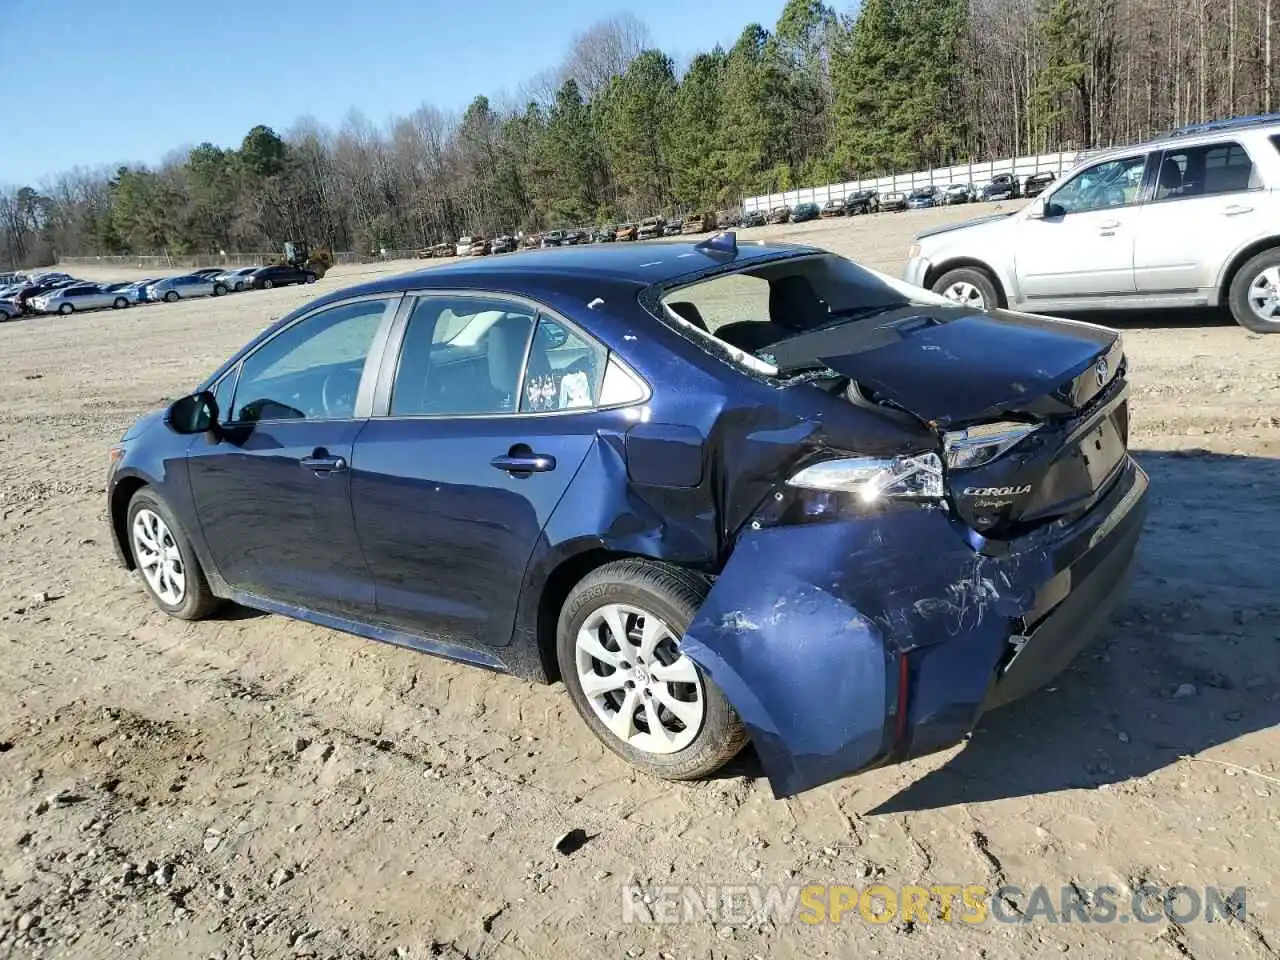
(273, 490)
(489, 417)
(1083, 245)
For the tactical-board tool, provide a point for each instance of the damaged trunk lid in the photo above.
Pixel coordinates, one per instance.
(955, 369)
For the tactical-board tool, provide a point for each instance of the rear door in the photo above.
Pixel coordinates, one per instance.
(273, 490)
(1083, 246)
(485, 414)
(1209, 202)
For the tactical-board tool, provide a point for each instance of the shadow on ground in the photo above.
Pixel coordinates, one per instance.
(1191, 659)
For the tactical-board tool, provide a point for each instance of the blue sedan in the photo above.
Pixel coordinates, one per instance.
(723, 493)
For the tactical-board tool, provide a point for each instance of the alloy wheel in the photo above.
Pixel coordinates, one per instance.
(159, 558)
(639, 684)
(966, 294)
(1264, 295)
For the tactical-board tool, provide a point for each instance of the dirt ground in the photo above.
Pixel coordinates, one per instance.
(256, 787)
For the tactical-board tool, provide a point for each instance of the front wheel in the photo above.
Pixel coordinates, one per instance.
(617, 645)
(309, 278)
(968, 287)
(1255, 293)
(120, 303)
(162, 554)
(219, 289)
(171, 296)
(267, 284)
(239, 286)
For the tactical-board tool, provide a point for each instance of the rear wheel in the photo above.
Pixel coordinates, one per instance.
(309, 278)
(239, 286)
(969, 287)
(267, 284)
(120, 303)
(219, 289)
(1255, 293)
(168, 566)
(617, 645)
(171, 296)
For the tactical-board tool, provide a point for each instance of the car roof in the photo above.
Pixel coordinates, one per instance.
(605, 266)
(1195, 135)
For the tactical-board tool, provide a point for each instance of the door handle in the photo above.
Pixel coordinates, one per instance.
(324, 464)
(1235, 209)
(525, 463)
(1108, 227)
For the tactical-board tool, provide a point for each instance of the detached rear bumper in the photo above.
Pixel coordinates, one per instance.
(851, 643)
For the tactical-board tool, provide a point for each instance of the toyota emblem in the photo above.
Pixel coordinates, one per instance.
(1100, 370)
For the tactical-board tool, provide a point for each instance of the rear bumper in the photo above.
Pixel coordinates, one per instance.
(848, 644)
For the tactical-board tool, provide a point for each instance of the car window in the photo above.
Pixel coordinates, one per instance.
(461, 356)
(1104, 186)
(312, 369)
(564, 371)
(1205, 171)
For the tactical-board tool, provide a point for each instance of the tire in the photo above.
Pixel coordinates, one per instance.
(309, 278)
(267, 284)
(239, 286)
(120, 303)
(66, 309)
(219, 289)
(666, 596)
(171, 296)
(1263, 272)
(196, 600)
(973, 279)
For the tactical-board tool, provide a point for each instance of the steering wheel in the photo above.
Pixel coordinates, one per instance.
(338, 392)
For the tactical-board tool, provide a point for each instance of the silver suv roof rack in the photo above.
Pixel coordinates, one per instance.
(1231, 123)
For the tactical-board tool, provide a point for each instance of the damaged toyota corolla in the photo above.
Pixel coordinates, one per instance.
(723, 492)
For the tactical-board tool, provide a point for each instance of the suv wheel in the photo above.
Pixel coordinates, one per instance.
(1255, 293)
(617, 644)
(969, 287)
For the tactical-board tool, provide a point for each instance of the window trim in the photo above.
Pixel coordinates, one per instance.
(364, 393)
(389, 366)
(1146, 185)
(1155, 187)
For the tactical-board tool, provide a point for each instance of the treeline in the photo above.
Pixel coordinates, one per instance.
(620, 130)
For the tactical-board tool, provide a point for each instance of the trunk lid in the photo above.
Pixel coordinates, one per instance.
(952, 368)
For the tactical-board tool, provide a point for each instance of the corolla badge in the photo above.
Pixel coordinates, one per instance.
(1100, 370)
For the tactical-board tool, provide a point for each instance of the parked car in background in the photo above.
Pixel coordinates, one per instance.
(479, 247)
(376, 461)
(894, 200)
(699, 223)
(10, 309)
(649, 228)
(958, 193)
(674, 227)
(553, 238)
(626, 231)
(237, 279)
(504, 243)
(755, 218)
(1187, 220)
(1037, 183)
(187, 287)
(1003, 186)
(780, 215)
(834, 208)
(208, 272)
(83, 296)
(137, 290)
(922, 198)
(803, 212)
(443, 249)
(40, 286)
(862, 202)
(605, 234)
(279, 275)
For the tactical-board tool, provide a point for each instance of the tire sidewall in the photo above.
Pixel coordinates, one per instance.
(706, 749)
(192, 598)
(66, 309)
(1241, 311)
(120, 303)
(172, 296)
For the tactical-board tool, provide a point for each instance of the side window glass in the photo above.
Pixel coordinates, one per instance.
(1205, 171)
(461, 355)
(1115, 183)
(311, 370)
(565, 369)
(224, 394)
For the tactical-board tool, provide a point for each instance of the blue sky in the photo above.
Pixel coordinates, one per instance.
(131, 80)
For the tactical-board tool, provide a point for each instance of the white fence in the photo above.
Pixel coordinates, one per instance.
(149, 262)
(975, 173)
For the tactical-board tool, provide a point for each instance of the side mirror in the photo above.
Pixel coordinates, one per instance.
(192, 414)
(1042, 209)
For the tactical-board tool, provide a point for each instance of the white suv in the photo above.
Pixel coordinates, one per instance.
(1190, 220)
